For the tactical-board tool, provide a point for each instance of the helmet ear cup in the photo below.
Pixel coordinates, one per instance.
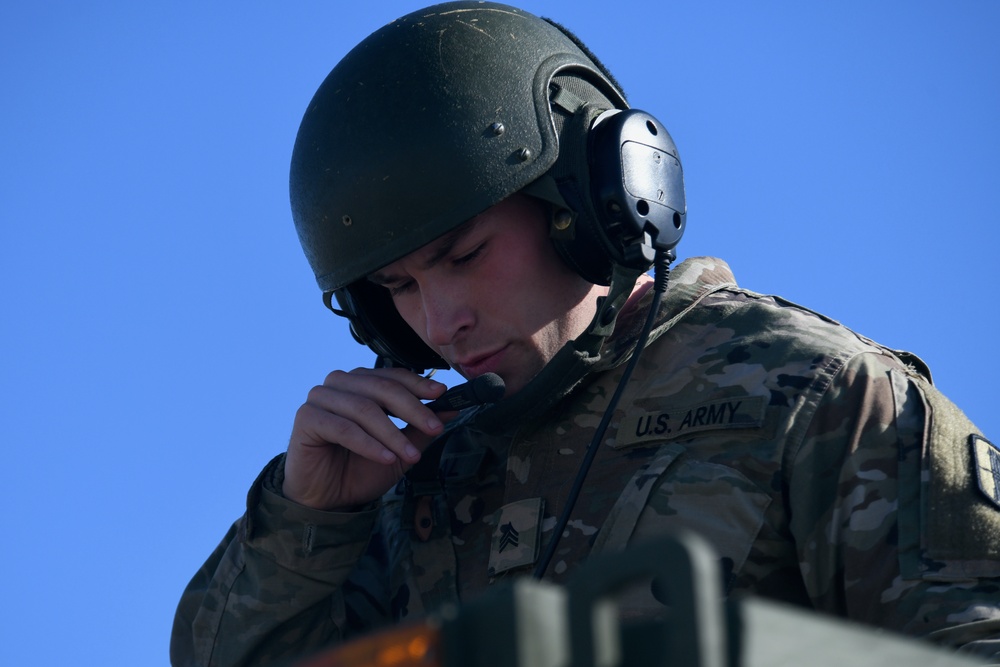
(577, 241)
(637, 186)
(576, 227)
(619, 175)
(380, 326)
(627, 192)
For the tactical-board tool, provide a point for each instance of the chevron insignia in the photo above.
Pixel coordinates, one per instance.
(508, 536)
(517, 529)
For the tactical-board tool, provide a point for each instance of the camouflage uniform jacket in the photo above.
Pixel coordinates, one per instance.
(825, 469)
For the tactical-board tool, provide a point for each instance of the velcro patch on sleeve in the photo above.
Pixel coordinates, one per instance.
(963, 501)
(987, 462)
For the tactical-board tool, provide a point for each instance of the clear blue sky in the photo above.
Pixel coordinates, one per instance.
(160, 326)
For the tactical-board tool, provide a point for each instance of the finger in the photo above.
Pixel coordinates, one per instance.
(362, 425)
(396, 391)
(317, 427)
(418, 385)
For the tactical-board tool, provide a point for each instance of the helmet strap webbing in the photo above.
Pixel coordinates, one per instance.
(608, 307)
(590, 54)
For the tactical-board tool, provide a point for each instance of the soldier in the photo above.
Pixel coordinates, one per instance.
(472, 191)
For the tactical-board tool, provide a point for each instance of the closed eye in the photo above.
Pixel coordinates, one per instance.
(465, 259)
(401, 288)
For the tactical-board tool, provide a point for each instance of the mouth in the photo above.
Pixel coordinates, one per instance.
(474, 366)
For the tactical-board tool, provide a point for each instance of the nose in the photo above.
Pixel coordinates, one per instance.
(448, 313)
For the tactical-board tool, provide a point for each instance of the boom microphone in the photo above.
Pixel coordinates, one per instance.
(487, 388)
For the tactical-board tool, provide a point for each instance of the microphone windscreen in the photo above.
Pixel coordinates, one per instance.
(487, 388)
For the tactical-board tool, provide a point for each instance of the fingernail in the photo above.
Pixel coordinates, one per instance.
(434, 423)
(388, 456)
(411, 452)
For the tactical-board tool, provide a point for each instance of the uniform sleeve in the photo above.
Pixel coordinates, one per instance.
(272, 590)
(891, 523)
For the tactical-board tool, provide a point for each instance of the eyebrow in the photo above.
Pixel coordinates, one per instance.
(440, 249)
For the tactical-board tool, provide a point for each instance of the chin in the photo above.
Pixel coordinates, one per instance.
(515, 383)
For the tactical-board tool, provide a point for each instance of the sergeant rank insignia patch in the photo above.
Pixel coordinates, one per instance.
(517, 529)
(987, 458)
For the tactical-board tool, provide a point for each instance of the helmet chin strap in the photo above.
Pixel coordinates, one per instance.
(623, 281)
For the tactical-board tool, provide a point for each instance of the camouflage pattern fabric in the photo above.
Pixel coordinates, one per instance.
(826, 470)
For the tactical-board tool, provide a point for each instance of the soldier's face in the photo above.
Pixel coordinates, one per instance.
(493, 296)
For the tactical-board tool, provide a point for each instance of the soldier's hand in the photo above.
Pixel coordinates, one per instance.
(344, 449)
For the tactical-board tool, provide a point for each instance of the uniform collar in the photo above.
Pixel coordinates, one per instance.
(690, 282)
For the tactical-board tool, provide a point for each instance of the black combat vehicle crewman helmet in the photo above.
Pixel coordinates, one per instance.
(430, 121)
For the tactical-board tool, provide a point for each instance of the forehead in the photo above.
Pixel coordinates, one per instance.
(429, 255)
(512, 216)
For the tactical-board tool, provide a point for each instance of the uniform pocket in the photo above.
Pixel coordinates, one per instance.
(676, 491)
(717, 501)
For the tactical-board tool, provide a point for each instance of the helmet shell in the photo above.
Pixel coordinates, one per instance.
(426, 123)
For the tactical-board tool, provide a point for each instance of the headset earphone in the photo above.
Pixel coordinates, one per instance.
(638, 184)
